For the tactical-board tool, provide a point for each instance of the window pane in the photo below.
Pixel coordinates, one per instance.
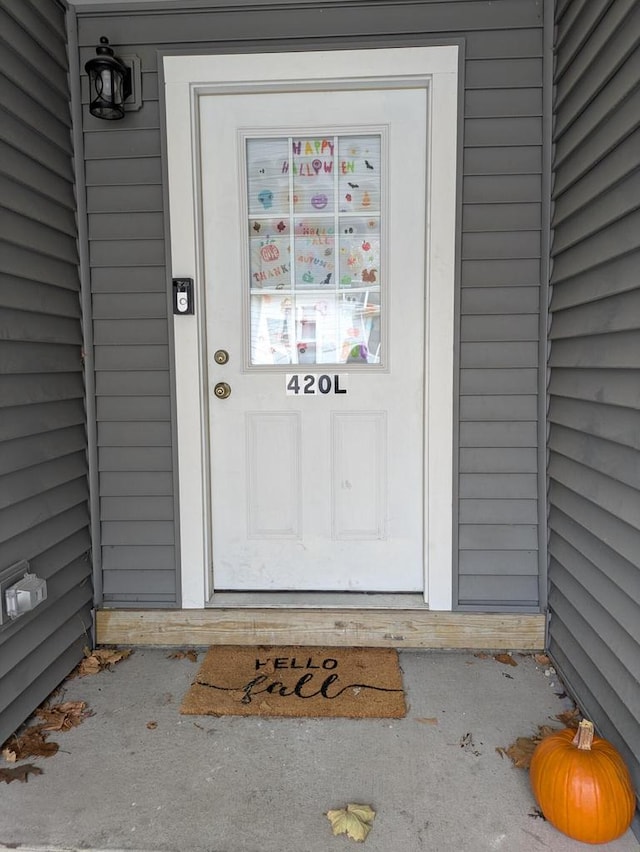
(314, 249)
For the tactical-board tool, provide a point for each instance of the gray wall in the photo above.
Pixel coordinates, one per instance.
(43, 484)
(502, 224)
(594, 443)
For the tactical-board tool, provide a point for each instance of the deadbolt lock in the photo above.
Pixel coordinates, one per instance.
(221, 356)
(222, 390)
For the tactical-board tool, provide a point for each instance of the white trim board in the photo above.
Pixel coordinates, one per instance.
(186, 77)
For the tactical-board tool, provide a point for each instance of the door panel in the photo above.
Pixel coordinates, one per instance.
(317, 453)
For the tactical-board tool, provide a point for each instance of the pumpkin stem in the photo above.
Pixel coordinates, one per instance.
(584, 735)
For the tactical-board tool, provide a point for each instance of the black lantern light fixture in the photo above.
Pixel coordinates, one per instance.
(109, 83)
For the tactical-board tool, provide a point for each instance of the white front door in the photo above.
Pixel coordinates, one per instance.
(314, 257)
(312, 200)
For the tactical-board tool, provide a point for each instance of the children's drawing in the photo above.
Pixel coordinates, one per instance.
(314, 232)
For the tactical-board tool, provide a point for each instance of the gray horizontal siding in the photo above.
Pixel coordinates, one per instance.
(500, 270)
(43, 470)
(594, 386)
(219, 26)
(499, 357)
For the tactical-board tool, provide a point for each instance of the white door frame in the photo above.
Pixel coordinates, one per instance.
(435, 69)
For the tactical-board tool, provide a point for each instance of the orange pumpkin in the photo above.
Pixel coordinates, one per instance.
(582, 785)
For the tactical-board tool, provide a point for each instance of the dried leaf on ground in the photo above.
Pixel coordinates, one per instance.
(522, 749)
(570, 718)
(62, 717)
(19, 773)
(482, 656)
(355, 821)
(152, 725)
(505, 659)
(541, 659)
(98, 660)
(32, 742)
(184, 655)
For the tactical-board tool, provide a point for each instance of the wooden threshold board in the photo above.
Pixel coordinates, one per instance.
(337, 627)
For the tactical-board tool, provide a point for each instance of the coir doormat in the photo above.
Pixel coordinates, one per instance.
(294, 681)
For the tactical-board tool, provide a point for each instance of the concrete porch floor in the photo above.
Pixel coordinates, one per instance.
(235, 784)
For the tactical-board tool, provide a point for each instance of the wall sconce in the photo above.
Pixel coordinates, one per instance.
(109, 83)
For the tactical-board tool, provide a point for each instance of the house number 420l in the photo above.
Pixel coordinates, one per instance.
(312, 384)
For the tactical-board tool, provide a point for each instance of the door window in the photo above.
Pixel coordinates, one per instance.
(314, 247)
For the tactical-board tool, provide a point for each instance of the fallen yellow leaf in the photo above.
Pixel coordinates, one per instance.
(9, 755)
(355, 821)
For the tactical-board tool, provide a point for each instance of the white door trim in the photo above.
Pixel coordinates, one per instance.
(186, 77)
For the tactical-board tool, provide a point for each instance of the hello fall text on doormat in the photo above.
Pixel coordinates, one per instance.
(295, 681)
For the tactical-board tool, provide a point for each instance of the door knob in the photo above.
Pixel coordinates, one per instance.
(221, 356)
(222, 390)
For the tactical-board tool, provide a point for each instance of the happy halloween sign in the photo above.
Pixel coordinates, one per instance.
(314, 211)
(286, 681)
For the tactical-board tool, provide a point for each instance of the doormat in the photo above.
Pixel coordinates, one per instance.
(356, 683)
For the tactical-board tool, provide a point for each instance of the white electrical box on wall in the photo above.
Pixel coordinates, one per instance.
(20, 591)
(25, 595)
